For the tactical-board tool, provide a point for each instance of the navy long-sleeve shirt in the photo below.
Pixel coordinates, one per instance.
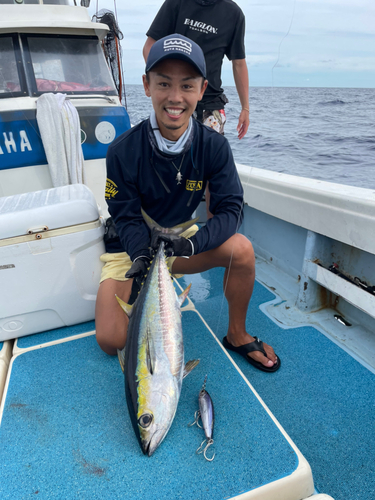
(137, 177)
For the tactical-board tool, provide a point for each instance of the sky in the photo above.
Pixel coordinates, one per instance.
(289, 43)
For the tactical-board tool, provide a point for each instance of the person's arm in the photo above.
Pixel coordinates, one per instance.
(241, 79)
(124, 203)
(147, 47)
(226, 200)
(164, 24)
(237, 54)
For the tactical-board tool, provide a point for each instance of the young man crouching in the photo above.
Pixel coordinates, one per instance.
(163, 165)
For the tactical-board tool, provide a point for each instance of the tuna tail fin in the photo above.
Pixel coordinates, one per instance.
(190, 365)
(124, 306)
(121, 358)
(183, 295)
(180, 228)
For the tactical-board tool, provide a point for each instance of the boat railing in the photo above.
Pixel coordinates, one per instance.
(330, 225)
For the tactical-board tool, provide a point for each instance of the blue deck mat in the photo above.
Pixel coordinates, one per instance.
(323, 398)
(56, 334)
(66, 432)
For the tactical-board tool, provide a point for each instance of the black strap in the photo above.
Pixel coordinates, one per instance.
(159, 176)
(256, 345)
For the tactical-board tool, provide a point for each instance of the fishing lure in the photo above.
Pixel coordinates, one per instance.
(207, 416)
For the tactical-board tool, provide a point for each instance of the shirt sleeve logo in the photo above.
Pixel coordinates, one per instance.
(190, 185)
(110, 189)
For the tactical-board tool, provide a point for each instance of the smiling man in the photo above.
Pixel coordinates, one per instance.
(218, 27)
(163, 165)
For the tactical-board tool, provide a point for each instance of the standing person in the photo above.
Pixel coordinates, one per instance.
(141, 168)
(218, 27)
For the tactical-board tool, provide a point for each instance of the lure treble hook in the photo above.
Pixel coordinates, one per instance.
(197, 416)
(208, 443)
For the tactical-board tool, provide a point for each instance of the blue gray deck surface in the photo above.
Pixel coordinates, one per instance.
(66, 432)
(324, 399)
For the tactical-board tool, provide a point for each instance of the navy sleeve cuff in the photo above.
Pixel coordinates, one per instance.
(139, 253)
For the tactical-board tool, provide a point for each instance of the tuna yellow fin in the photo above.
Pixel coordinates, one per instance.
(190, 365)
(121, 358)
(183, 295)
(125, 307)
(180, 228)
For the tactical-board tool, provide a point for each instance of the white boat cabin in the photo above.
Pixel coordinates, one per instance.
(53, 47)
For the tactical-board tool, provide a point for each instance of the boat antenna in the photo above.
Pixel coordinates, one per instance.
(281, 41)
(112, 50)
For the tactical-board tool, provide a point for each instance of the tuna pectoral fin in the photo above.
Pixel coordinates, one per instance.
(190, 365)
(121, 358)
(180, 228)
(150, 352)
(125, 307)
(183, 295)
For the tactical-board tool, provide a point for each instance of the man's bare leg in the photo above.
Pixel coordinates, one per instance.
(110, 320)
(236, 255)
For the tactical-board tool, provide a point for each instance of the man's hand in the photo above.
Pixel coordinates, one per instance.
(243, 123)
(241, 79)
(138, 271)
(175, 246)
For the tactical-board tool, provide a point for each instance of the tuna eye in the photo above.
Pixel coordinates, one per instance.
(145, 420)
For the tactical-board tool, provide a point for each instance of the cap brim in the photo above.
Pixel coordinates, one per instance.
(175, 55)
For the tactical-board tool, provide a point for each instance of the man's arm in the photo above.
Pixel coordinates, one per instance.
(241, 79)
(164, 24)
(226, 197)
(124, 203)
(147, 47)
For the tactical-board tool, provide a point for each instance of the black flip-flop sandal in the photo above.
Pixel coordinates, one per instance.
(256, 345)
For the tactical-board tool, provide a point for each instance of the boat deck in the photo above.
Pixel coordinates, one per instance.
(65, 430)
(322, 396)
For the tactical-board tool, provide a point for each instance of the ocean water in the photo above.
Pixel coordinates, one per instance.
(321, 133)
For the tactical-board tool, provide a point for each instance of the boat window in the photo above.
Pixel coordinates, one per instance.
(56, 2)
(28, 2)
(10, 83)
(69, 64)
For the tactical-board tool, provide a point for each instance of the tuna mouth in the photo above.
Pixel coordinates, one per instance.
(150, 450)
(148, 447)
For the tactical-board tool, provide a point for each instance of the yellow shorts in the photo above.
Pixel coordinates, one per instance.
(116, 265)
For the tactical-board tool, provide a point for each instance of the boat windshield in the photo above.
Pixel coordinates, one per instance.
(9, 76)
(68, 64)
(29, 2)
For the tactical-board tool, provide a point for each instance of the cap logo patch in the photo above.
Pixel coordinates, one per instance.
(177, 44)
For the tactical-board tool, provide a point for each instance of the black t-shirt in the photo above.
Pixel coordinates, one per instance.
(218, 28)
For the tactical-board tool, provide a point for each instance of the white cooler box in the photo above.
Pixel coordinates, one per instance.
(50, 244)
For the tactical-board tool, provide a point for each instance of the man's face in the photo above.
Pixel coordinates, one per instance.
(175, 87)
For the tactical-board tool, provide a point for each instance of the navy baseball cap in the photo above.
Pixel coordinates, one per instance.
(177, 47)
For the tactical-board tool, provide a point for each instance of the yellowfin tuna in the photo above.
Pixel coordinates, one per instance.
(153, 358)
